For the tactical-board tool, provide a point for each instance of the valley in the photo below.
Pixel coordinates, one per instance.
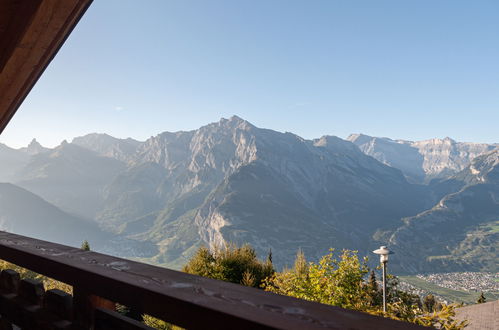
(435, 203)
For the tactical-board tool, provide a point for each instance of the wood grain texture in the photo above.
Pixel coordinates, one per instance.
(183, 299)
(32, 33)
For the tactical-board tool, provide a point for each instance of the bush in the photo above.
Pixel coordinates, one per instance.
(232, 264)
(341, 282)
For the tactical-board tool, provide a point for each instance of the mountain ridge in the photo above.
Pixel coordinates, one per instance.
(422, 161)
(230, 181)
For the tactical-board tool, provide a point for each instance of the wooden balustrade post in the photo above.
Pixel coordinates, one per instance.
(84, 305)
(9, 284)
(59, 303)
(9, 281)
(30, 297)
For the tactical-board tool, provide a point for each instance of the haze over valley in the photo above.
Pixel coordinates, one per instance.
(435, 202)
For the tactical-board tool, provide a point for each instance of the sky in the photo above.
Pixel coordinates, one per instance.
(402, 69)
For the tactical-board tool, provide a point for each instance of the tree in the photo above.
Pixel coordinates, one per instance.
(429, 303)
(340, 282)
(374, 293)
(269, 256)
(481, 299)
(331, 281)
(230, 263)
(85, 246)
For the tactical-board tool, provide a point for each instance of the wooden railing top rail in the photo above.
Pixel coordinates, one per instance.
(183, 299)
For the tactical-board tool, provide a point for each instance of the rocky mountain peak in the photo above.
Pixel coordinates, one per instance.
(68, 150)
(359, 138)
(33, 143)
(34, 147)
(108, 146)
(234, 122)
(334, 143)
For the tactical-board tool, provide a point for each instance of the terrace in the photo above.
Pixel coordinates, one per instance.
(31, 32)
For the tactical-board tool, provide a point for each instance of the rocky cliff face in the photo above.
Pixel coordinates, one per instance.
(230, 181)
(105, 145)
(422, 161)
(446, 156)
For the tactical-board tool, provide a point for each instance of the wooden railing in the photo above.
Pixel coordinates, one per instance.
(186, 300)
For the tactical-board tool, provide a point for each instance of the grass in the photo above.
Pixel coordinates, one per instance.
(449, 294)
(492, 227)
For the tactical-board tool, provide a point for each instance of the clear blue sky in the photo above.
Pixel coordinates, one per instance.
(402, 69)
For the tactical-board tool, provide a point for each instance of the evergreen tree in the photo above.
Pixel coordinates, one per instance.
(373, 290)
(429, 303)
(481, 299)
(269, 257)
(85, 246)
(300, 266)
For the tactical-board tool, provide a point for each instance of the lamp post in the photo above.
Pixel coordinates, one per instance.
(383, 258)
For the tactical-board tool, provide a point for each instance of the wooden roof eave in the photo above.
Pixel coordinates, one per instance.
(31, 34)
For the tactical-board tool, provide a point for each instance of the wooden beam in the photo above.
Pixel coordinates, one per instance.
(183, 299)
(15, 18)
(32, 32)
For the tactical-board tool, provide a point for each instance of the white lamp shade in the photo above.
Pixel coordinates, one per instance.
(383, 253)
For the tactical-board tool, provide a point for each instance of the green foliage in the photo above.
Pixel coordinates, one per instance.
(340, 281)
(374, 293)
(481, 299)
(85, 246)
(330, 281)
(232, 264)
(441, 319)
(48, 283)
(158, 324)
(429, 303)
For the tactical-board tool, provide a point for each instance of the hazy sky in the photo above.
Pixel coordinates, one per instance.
(402, 69)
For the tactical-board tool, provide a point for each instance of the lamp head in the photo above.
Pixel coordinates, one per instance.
(383, 253)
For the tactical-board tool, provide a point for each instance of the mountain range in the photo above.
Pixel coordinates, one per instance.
(422, 161)
(435, 202)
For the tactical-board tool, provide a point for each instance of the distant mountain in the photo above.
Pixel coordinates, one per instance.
(106, 145)
(24, 213)
(70, 177)
(461, 231)
(34, 148)
(11, 160)
(230, 181)
(422, 161)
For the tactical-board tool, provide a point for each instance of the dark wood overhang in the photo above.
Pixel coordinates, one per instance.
(31, 33)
